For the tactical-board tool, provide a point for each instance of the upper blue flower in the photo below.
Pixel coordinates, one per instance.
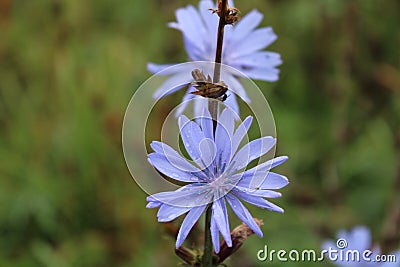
(216, 174)
(359, 239)
(242, 49)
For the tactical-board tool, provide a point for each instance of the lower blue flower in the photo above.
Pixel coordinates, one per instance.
(351, 247)
(216, 175)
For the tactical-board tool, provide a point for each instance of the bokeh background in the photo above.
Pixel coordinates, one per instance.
(69, 68)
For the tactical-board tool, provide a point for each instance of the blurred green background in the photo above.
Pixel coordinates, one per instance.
(69, 68)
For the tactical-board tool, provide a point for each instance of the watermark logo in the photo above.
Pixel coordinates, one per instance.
(340, 254)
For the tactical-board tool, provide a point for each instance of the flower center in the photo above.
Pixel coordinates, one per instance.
(218, 183)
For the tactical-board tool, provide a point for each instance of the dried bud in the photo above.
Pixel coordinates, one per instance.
(186, 254)
(206, 88)
(231, 14)
(238, 235)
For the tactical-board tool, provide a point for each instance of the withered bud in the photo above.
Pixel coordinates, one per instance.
(206, 88)
(231, 13)
(186, 254)
(238, 235)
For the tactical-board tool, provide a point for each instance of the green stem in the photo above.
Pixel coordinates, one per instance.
(208, 247)
(213, 108)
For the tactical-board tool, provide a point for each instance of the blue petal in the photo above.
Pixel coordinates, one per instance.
(155, 68)
(210, 20)
(214, 234)
(266, 166)
(232, 103)
(173, 156)
(169, 69)
(226, 120)
(251, 151)
(206, 122)
(223, 139)
(261, 59)
(259, 192)
(192, 195)
(153, 204)
(211, 23)
(244, 27)
(241, 132)
(258, 39)
(257, 201)
(235, 86)
(172, 169)
(358, 238)
(189, 22)
(191, 218)
(269, 74)
(174, 83)
(395, 263)
(192, 137)
(200, 104)
(262, 180)
(220, 215)
(208, 152)
(167, 213)
(243, 214)
(185, 101)
(195, 52)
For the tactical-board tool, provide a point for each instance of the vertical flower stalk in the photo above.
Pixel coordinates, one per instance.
(213, 107)
(218, 173)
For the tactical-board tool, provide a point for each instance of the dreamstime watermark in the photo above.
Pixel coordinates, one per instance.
(339, 254)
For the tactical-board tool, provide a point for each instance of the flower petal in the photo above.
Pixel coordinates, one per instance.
(241, 132)
(393, 263)
(244, 27)
(191, 218)
(192, 195)
(251, 151)
(166, 69)
(262, 180)
(358, 238)
(190, 23)
(235, 86)
(167, 213)
(174, 83)
(220, 215)
(232, 103)
(171, 167)
(269, 74)
(257, 201)
(153, 204)
(243, 214)
(173, 156)
(155, 68)
(272, 163)
(223, 138)
(256, 40)
(185, 101)
(192, 136)
(214, 234)
(260, 59)
(259, 192)
(206, 122)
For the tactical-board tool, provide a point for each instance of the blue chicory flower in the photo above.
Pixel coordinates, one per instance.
(217, 175)
(242, 50)
(358, 239)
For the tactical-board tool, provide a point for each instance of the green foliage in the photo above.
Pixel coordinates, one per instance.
(69, 68)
